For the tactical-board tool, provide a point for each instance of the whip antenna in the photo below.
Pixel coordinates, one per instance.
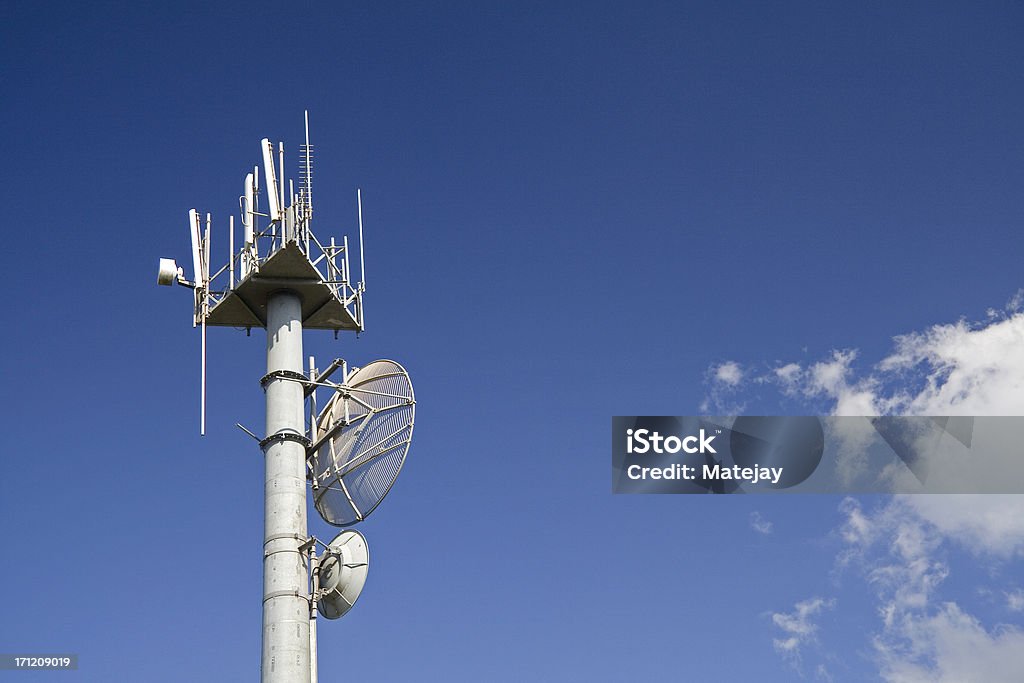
(362, 265)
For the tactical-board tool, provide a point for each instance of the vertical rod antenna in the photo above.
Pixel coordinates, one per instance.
(231, 251)
(314, 563)
(202, 383)
(312, 435)
(205, 310)
(362, 265)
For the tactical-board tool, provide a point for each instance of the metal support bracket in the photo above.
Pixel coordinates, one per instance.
(285, 436)
(283, 374)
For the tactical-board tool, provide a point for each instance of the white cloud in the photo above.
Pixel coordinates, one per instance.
(950, 369)
(966, 370)
(973, 369)
(797, 627)
(760, 524)
(902, 547)
(955, 369)
(899, 546)
(895, 548)
(951, 646)
(1016, 302)
(724, 382)
(858, 528)
(789, 376)
(1015, 600)
(989, 525)
(729, 373)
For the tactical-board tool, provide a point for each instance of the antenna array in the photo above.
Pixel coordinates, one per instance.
(278, 244)
(278, 251)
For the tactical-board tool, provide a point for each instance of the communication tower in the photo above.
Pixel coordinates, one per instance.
(348, 454)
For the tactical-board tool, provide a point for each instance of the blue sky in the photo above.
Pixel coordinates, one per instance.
(572, 211)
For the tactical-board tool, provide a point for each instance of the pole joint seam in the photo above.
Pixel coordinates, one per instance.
(285, 594)
(278, 537)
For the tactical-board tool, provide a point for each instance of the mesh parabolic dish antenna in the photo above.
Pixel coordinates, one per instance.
(343, 571)
(365, 433)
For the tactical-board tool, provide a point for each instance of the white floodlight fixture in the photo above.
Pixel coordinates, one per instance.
(273, 199)
(169, 272)
(342, 574)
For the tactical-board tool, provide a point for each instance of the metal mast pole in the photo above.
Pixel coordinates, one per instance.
(285, 590)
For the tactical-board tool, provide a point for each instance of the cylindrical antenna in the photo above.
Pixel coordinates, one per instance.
(280, 156)
(248, 221)
(206, 252)
(292, 223)
(362, 265)
(254, 256)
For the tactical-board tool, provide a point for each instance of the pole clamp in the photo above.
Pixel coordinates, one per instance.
(283, 374)
(285, 436)
(297, 537)
(285, 594)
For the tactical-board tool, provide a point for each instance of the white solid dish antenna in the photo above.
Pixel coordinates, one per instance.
(342, 574)
(363, 437)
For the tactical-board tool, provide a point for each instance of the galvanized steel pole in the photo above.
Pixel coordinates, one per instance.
(285, 590)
